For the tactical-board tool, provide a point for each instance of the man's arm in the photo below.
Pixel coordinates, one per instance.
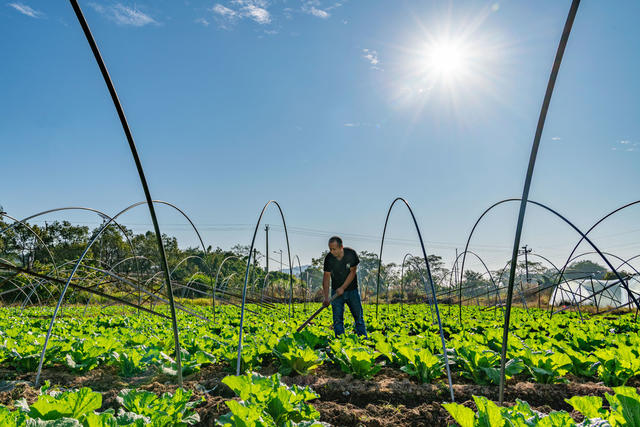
(348, 280)
(325, 287)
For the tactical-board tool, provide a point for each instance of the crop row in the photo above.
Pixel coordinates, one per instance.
(540, 349)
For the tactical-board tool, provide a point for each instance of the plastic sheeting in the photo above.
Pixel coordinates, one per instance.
(598, 293)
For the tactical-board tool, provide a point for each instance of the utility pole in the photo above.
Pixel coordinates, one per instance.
(280, 252)
(455, 271)
(275, 252)
(255, 257)
(266, 229)
(253, 270)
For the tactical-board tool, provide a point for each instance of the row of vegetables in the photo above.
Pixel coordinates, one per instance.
(540, 348)
(266, 401)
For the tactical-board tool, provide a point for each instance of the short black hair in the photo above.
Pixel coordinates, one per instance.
(335, 239)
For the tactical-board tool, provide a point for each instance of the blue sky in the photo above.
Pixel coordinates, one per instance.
(331, 108)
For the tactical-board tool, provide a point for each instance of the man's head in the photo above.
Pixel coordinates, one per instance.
(335, 247)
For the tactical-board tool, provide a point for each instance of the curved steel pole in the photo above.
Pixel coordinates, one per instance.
(575, 248)
(623, 263)
(466, 249)
(404, 259)
(100, 214)
(28, 227)
(143, 180)
(246, 274)
(433, 289)
(64, 290)
(527, 185)
(215, 284)
(455, 263)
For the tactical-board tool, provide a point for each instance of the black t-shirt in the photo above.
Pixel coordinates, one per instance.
(339, 269)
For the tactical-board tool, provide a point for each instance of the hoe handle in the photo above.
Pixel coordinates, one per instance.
(313, 316)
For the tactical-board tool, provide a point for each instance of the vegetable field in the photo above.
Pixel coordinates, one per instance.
(113, 366)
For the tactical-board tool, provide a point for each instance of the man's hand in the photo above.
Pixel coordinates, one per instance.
(326, 301)
(339, 291)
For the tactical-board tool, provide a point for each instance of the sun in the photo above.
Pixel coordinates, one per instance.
(451, 66)
(446, 60)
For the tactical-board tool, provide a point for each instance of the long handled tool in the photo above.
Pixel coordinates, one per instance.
(313, 316)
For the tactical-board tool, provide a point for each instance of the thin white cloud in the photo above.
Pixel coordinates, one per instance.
(363, 124)
(315, 8)
(224, 11)
(124, 15)
(319, 13)
(256, 10)
(626, 145)
(258, 14)
(26, 10)
(556, 138)
(202, 21)
(372, 57)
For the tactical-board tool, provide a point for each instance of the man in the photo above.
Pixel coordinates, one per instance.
(340, 267)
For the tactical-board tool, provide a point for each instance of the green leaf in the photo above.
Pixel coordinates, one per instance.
(489, 414)
(7, 418)
(556, 419)
(589, 406)
(100, 420)
(625, 405)
(242, 416)
(67, 404)
(463, 415)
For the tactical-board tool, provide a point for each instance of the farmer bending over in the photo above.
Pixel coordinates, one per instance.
(340, 265)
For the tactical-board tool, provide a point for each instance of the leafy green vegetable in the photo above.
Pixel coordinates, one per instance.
(66, 404)
(359, 361)
(265, 401)
(483, 366)
(301, 360)
(176, 409)
(546, 367)
(617, 365)
(424, 365)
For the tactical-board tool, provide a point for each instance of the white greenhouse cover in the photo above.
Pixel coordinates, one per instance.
(599, 293)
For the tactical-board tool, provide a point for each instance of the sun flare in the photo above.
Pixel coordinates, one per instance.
(446, 60)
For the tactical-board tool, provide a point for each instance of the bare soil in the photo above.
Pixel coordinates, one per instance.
(391, 398)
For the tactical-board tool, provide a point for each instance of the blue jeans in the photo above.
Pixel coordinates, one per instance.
(352, 299)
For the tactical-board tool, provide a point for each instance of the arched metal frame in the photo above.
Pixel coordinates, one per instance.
(215, 283)
(246, 276)
(523, 204)
(583, 235)
(24, 224)
(433, 290)
(101, 214)
(455, 264)
(77, 265)
(527, 185)
(594, 226)
(404, 259)
(594, 294)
